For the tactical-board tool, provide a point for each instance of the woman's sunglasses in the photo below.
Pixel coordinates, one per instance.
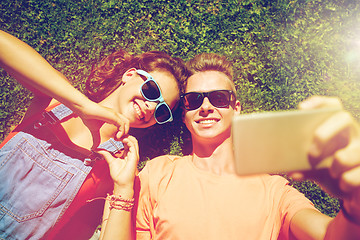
(151, 92)
(218, 98)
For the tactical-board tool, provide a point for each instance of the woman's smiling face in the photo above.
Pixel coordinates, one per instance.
(134, 106)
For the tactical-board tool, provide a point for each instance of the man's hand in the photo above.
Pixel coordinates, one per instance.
(338, 141)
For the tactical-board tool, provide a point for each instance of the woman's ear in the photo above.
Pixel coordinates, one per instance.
(128, 75)
(183, 111)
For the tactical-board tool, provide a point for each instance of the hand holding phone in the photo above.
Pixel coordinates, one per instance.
(276, 142)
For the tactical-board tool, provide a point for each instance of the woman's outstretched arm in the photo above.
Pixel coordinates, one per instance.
(29, 68)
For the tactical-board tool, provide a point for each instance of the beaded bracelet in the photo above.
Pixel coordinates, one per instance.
(347, 215)
(119, 203)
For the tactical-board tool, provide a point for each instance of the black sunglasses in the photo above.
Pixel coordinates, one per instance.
(218, 98)
(151, 92)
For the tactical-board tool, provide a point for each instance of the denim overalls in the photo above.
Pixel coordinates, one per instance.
(39, 178)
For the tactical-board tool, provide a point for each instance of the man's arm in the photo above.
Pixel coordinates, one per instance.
(310, 224)
(337, 139)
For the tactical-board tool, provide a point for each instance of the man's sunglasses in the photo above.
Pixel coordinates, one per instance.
(218, 98)
(151, 92)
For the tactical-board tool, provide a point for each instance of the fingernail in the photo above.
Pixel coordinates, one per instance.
(305, 105)
(118, 135)
(297, 176)
(314, 150)
(314, 154)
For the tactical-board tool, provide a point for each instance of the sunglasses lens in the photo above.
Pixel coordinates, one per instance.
(219, 98)
(163, 113)
(150, 90)
(193, 101)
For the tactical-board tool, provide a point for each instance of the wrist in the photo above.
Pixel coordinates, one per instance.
(349, 215)
(118, 202)
(126, 192)
(81, 104)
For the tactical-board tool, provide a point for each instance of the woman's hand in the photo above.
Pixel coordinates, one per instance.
(117, 224)
(123, 168)
(94, 115)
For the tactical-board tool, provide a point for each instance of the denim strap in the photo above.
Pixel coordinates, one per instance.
(110, 145)
(59, 113)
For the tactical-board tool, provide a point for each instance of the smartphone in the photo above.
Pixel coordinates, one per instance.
(275, 142)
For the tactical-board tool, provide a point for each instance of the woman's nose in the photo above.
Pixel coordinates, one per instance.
(150, 109)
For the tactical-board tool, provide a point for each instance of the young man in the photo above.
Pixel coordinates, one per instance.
(199, 196)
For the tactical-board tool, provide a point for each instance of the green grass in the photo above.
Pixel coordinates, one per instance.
(283, 51)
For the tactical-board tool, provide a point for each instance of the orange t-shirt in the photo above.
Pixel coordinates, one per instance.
(179, 201)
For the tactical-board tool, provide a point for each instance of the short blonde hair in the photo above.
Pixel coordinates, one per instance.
(211, 62)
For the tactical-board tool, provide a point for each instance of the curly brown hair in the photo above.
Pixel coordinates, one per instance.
(106, 76)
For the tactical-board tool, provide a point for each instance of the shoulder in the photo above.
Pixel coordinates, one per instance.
(273, 179)
(157, 173)
(266, 179)
(289, 197)
(276, 179)
(164, 159)
(162, 169)
(273, 184)
(162, 164)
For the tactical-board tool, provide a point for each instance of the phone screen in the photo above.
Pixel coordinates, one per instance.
(275, 142)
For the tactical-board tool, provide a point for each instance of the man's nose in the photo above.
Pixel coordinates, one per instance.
(206, 105)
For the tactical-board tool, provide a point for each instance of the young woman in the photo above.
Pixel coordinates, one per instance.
(50, 172)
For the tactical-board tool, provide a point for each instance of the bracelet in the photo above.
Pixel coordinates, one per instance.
(119, 203)
(347, 215)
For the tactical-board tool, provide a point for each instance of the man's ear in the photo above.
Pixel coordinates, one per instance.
(128, 75)
(237, 107)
